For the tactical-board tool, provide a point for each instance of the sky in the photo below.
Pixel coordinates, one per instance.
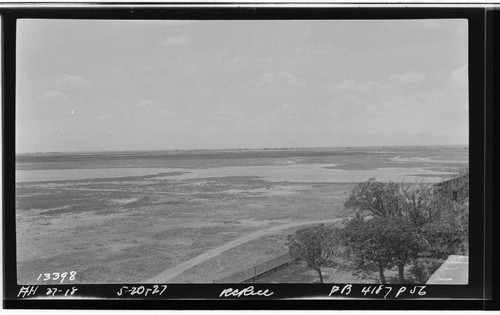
(90, 85)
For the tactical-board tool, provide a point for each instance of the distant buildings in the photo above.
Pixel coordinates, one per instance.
(455, 270)
(457, 188)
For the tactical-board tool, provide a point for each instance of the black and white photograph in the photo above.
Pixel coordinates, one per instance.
(242, 152)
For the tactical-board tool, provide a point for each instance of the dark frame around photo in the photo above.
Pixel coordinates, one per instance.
(265, 296)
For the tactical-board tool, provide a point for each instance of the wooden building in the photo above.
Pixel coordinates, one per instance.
(456, 188)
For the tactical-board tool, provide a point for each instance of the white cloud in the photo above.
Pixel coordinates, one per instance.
(53, 95)
(147, 104)
(355, 86)
(176, 41)
(71, 81)
(166, 112)
(407, 79)
(395, 81)
(106, 117)
(148, 109)
(279, 77)
(223, 54)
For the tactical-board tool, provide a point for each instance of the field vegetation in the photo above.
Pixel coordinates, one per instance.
(131, 228)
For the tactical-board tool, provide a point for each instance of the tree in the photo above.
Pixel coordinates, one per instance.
(442, 222)
(315, 245)
(422, 204)
(448, 232)
(424, 218)
(419, 202)
(363, 242)
(379, 198)
(385, 241)
(405, 241)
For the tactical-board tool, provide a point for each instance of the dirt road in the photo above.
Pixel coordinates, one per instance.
(171, 273)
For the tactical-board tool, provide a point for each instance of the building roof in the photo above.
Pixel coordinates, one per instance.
(444, 182)
(455, 270)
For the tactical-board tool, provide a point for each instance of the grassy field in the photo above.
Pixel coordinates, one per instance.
(129, 228)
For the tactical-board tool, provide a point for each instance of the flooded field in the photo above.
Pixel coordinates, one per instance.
(310, 173)
(131, 216)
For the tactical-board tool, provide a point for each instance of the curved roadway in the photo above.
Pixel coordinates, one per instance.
(171, 273)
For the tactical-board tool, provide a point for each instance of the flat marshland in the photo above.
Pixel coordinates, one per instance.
(191, 216)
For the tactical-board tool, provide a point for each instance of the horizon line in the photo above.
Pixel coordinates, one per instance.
(235, 149)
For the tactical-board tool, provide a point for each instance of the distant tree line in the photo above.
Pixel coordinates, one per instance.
(396, 225)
